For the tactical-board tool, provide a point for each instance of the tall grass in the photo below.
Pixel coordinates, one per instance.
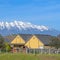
(22, 56)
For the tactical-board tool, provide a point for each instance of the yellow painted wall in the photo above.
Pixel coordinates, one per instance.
(18, 40)
(34, 43)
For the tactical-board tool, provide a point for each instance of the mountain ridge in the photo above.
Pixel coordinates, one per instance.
(19, 27)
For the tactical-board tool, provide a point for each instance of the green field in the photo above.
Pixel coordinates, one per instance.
(20, 56)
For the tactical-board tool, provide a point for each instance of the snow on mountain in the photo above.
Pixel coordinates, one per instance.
(21, 25)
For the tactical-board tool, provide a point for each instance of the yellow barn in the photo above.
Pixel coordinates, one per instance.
(38, 41)
(15, 41)
(34, 43)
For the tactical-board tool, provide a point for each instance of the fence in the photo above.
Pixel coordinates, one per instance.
(39, 51)
(43, 51)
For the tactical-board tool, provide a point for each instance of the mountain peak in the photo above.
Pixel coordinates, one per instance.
(21, 25)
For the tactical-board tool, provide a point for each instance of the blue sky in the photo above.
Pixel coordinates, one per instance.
(40, 12)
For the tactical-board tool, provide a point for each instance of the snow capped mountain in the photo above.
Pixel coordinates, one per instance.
(19, 27)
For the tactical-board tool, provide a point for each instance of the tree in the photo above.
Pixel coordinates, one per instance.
(1, 41)
(7, 47)
(55, 42)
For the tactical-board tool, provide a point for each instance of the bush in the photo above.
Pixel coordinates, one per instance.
(7, 47)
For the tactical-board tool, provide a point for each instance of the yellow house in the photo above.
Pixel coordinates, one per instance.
(16, 42)
(34, 43)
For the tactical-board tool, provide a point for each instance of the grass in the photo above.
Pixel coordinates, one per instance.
(21, 56)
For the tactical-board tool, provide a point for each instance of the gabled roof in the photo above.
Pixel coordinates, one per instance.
(26, 37)
(9, 38)
(46, 39)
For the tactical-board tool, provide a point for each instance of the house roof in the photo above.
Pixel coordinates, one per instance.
(9, 38)
(26, 37)
(45, 39)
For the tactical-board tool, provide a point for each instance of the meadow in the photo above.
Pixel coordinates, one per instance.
(22, 56)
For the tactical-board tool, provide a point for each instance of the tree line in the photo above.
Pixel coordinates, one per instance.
(4, 46)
